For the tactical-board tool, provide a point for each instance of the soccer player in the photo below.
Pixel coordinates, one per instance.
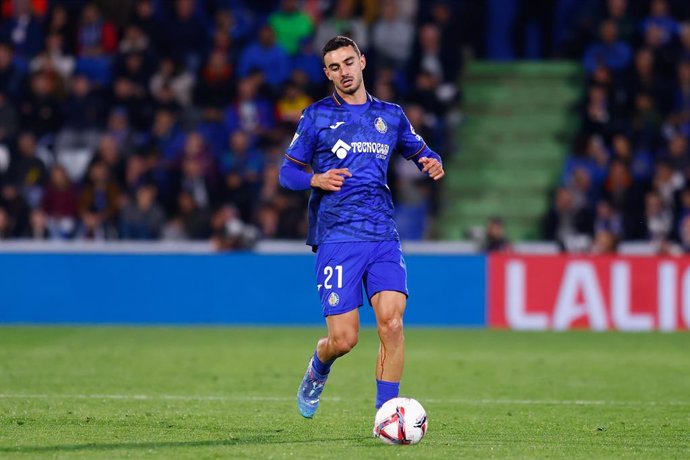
(348, 139)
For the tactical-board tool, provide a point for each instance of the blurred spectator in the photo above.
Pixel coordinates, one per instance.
(453, 36)
(658, 218)
(96, 36)
(646, 121)
(108, 153)
(132, 101)
(610, 51)
(604, 243)
(118, 126)
(6, 224)
(60, 23)
(583, 192)
(133, 66)
(38, 225)
(392, 37)
(23, 30)
(660, 18)
(234, 23)
(625, 197)
(676, 152)
(289, 207)
(597, 117)
(84, 109)
(230, 232)
(134, 40)
(681, 96)
(197, 174)
(267, 57)
(290, 25)
(290, 105)
(14, 213)
(175, 78)
(216, 77)
(618, 11)
(495, 238)
(268, 218)
(250, 112)
(342, 21)
(640, 162)
(138, 173)
(242, 168)
(53, 58)
(664, 56)
(566, 224)
(9, 121)
(144, 17)
(430, 56)
(40, 109)
(10, 75)
(60, 204)
(588, 152)
(307, 69)
(608, 219)
(645, 79)
(142, 218)
(166, 137)
(190, 222)
(184, 35)
(99, 204)
(27, 172)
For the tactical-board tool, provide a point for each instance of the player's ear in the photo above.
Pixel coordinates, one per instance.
(328, 73)
(362, 61)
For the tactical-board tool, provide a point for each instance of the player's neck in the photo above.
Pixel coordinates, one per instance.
(359, 97)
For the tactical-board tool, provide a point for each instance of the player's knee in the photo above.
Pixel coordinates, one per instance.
(344, 343)
(391, 328)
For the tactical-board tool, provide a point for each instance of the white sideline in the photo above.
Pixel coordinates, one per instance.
(240, 398)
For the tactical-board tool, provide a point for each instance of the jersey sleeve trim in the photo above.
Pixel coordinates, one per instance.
(418, 152)
(301, 163)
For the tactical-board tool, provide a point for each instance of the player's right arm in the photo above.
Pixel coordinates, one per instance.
(298, 156)
(294, 177)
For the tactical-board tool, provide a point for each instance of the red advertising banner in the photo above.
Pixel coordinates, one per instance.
(601, 293)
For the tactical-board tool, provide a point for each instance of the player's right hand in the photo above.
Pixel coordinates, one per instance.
(332, 180)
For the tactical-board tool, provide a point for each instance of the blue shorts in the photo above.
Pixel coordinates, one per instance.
(342, 269)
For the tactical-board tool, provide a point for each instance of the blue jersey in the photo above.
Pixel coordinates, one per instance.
(331, 135)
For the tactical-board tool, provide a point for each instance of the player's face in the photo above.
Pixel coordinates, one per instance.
(344, 68)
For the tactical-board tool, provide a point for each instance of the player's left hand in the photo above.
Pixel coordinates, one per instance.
(432, 167)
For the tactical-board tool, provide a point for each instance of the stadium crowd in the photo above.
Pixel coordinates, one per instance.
(628, 174)
(168, 119)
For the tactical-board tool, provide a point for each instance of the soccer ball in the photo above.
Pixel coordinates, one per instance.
(401, 421)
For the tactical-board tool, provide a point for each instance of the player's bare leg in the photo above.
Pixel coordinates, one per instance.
(343, 333)
(389, 307)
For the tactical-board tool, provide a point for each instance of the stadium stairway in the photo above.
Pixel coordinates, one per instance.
(517, 120)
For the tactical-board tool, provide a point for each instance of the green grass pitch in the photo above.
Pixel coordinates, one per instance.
(90, 392)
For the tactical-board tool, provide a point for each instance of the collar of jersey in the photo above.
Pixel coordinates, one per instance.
(340, 101)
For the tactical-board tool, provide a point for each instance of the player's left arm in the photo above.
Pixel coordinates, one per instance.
(413, 148)
(432, 165)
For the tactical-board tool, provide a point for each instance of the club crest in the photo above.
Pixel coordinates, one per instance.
(380, 125)
(333, 299)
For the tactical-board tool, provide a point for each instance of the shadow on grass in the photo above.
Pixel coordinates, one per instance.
(256, 440)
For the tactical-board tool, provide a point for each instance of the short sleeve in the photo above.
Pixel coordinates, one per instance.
(410, 144)
(303, 143)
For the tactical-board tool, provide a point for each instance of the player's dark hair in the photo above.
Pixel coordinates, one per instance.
(337, 42)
